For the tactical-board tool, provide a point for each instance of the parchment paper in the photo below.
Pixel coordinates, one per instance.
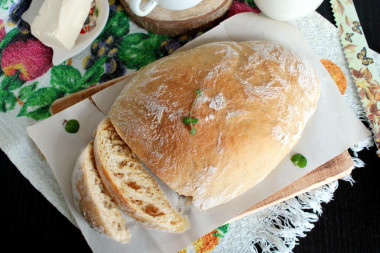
(333, 128)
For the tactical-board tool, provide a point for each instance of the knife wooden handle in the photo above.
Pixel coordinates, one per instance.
(69, 100)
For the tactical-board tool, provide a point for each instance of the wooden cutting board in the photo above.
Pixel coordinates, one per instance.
(334, 169)
(337, 168)
(168, 22)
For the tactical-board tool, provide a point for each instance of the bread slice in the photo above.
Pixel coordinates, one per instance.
(133, 188)
(94, 202)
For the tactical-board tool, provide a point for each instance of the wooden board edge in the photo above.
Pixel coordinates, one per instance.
(342, 166)
(71, 99)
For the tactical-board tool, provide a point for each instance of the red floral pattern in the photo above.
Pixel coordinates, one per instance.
(2, 30)
(31, 58)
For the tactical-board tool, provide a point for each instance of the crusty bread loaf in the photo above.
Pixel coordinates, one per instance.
(129, 183)
(256, 99)
(93, 200)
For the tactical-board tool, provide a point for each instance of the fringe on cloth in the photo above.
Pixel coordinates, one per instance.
(277, 228)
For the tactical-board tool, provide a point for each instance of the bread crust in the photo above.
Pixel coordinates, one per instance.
(256, 99)
(90, 195)
(131, 186)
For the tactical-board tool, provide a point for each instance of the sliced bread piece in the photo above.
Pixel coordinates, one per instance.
(130, 184)
(94, 202)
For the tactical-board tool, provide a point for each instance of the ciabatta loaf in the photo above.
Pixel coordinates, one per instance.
(256, 99)
(131, 186)
(93, 200)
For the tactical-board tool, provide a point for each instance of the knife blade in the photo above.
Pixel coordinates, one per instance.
(360, 63)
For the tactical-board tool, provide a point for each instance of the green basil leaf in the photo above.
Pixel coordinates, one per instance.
(186, 120)
(299, 160)
(72, 126)
(189, 120)
(194, 120)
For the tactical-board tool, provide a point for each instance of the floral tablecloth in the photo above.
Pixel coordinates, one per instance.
(29, 84)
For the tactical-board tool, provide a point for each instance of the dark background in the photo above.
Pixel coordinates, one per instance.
(349, 223)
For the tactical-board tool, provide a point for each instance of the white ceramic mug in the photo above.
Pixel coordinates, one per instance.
(147, 7)
(286, 10)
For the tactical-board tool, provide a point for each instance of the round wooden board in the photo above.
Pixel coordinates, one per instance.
(168, 22)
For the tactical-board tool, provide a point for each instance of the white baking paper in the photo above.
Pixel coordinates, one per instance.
(332, 129)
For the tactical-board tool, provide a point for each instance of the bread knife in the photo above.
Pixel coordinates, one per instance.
(360, 63)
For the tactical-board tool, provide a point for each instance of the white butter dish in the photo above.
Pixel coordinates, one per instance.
(61, 54)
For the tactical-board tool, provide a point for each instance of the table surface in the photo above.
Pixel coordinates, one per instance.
(349, 223)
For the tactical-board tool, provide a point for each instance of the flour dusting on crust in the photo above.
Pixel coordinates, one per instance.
(218, 102)
(256, 99)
